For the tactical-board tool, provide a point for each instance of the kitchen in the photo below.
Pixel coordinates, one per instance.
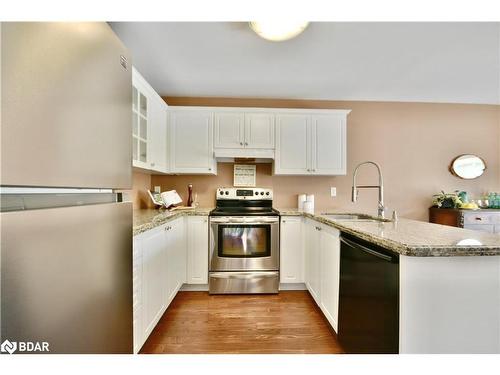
(271, 209)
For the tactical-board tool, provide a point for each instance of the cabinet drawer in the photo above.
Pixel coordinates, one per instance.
(489, 228)
(479, 218)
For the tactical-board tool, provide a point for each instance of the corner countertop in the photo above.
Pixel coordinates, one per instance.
(412, 237)
(149, 218)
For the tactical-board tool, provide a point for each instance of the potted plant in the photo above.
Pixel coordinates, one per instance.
(447, 200)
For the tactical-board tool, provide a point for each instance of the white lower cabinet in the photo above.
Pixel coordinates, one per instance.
(164, 258)
(159, 255)
(197, 250)
(154, 258)
(291, 250)
(137, 299)
(330, 273)
(322, 273)
(312, 255)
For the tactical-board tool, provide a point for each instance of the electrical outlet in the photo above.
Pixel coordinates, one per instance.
(333, 191)
(157, 189)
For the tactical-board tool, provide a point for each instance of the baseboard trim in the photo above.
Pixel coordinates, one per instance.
(194, 288)
(204, 287)
(293, 286)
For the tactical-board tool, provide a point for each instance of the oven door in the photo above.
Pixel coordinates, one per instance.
(244, 243)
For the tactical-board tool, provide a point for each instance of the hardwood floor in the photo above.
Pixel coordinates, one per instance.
(288, 322)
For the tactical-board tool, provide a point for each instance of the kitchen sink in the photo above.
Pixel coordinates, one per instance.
(351, 217)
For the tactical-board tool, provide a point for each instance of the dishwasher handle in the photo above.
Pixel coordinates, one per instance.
(356, 245)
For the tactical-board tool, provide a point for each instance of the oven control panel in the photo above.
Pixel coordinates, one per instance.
(244, 193)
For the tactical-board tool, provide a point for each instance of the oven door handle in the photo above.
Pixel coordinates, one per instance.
(228, 220)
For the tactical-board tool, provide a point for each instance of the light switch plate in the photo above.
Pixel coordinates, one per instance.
(333, 191)
(157, 189)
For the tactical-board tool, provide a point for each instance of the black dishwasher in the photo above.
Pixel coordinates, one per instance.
(369, 297)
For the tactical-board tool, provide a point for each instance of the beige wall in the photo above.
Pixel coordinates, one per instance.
(413, 142)
(140, 185)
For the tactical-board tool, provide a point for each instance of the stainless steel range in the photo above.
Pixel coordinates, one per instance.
(244, 242)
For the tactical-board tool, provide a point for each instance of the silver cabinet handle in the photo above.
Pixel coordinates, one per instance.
(283, 221)
(209, 169)
(309, 170)
(241, 143)
(246, 143)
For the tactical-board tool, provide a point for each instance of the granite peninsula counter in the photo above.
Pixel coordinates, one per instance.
(412, 237)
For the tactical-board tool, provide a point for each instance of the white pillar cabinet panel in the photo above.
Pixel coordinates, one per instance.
(291, 250)
(259, 130)
(312, 251)
(229, 130)
(154, 269)
(449, 305)
(328, 145)
(191, 142)
(330, 273)
(157, 144)
(292, 144)
(197, 247)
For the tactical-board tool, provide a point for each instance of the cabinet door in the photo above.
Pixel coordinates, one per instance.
(140, 123)
(229, 130)
(328, 144)
(330, 273)
(191, 142)
(137, 299)
(158, 136)
(292, 144)
(197, 246)
(312, 250)
(154, 276)
(178, 240)
(291, 250)
(259, 130)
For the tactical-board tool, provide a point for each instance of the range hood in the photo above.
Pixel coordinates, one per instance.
(231, 154)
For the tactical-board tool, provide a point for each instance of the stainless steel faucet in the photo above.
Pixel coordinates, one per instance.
(380, 187)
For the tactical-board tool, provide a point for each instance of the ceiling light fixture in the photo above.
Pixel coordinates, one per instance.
(278, 31)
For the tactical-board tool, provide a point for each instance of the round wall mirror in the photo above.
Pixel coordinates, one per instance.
(468, 167)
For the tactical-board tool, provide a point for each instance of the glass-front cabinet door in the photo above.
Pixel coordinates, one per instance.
(139, 127)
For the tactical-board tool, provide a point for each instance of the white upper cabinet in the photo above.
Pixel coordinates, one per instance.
(141, 97)
(149, 126)
(328, 144)
(292, 144)
(158, 140)
(259, 130)
(191, 142)
(239, 129)
(311, 143)
(229, 130)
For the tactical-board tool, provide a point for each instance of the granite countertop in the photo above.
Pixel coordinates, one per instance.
(412, 237)
(149, 218)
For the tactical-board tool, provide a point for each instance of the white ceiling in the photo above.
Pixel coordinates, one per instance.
(422, 62)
